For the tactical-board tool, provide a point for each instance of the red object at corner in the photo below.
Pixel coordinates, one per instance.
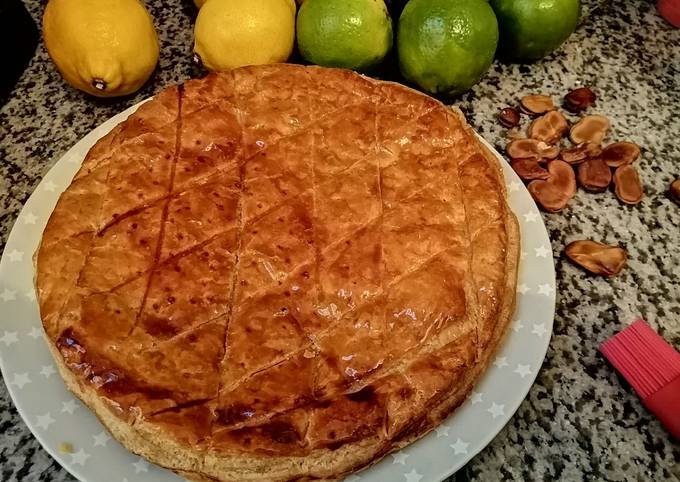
(652, 367)
(670, 10)
(665, 404)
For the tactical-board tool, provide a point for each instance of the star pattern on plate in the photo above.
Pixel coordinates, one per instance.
(101, 439)
(522, 370)
(460, 447)
(49, 186)
(79, 457)
(517, 325)
(44, 421)
(496, 410)
(476, 397)
(35, 333)
(29, 218)
(15, 256)
(19, 254)
(69, 406)
(9, 338)
(399, 458)
(20, 380)
(501, 362)
(8, 295)
(545, 289)
(539, 329)
(522, 289)
(413, 476)
(542, 251)
(141, 466)
(531, 217)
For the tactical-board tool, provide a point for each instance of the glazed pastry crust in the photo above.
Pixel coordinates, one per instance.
(279, 273)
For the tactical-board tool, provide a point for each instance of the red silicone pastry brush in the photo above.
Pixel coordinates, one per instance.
(652, 367)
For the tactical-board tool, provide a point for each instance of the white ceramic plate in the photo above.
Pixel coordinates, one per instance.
(56, 417)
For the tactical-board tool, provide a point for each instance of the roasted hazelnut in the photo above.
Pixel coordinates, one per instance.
(509, 117)
(597, 258)
(674, 191)
(620, 153)
(549, 127)
(580, 153)
(531, 148)
(554, 193)
(536, 104)
(594, 175)
(579, 99)
(529, 169)
(628, 187)
(592, 128)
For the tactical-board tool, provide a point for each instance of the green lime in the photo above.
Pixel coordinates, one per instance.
(353, 34)
(446, 46)
(531, 29)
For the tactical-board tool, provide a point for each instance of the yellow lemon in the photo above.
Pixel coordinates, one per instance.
(106, 48)
(233, 33)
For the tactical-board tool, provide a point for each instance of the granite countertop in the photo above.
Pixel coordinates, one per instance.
(579, 421)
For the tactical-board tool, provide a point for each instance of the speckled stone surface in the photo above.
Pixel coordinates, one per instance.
(580, 421)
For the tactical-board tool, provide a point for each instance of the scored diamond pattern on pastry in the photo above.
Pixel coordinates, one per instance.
(279, 271)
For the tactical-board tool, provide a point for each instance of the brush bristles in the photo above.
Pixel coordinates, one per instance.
(643, 358)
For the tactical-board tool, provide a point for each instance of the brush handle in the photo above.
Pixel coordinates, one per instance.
(665, 404)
